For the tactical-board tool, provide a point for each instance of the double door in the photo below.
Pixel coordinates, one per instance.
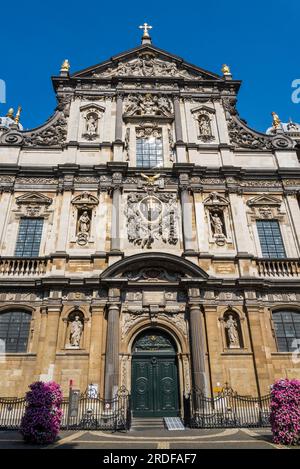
(154, 385)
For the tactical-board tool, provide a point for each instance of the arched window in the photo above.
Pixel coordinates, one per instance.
(287, 330)
(14, 331)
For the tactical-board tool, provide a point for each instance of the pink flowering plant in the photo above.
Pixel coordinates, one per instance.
(285, 412)
(41, 421)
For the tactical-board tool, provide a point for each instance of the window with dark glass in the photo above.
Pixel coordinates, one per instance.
(14, 331)
(270, 238)
(149, 152)
(287, 330)
(29, 237)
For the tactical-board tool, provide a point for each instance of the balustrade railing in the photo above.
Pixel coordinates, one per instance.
(278, 268)
(23, 266)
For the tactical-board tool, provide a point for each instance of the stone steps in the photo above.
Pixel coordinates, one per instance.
(147, 423)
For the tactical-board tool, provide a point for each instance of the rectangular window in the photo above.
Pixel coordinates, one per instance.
(29, 237)
(149, 152)
(270, 238)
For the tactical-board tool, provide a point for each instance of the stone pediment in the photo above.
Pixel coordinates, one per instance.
(264, 200)
(146, 61)
(33, 198)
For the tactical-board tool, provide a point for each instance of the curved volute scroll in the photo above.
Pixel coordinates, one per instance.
(53, 133)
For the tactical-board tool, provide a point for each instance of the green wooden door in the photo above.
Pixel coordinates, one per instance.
(154, 378)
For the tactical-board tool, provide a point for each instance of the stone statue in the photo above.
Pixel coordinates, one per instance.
(204, 126)
(217, 224)
(91, 124)
(84, 223)
(76, 332)
(232, 330)
(276, 120)
(225, 69)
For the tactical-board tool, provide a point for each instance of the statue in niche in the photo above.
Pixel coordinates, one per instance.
(84, 223)
(232, 331)
(204, 126)
(217, 224)
(76, 332)
(91, 124)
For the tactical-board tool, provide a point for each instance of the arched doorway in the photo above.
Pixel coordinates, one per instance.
(154, 375)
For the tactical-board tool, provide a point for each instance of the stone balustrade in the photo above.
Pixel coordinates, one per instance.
(23, 267)
(278, 268)
(52, 266)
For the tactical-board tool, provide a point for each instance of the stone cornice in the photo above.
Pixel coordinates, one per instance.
(98, 177)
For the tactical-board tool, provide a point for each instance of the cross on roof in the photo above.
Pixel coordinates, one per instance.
(145, 27)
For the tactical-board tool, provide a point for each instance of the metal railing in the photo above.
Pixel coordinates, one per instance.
(226, 410)
(94, 413)
(11, 412)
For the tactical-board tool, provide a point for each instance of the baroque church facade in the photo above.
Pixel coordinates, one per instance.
(149, 237)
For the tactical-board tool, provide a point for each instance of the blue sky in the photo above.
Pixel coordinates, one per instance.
(258, 39)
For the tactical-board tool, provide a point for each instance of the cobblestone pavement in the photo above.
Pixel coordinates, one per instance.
(152, 439)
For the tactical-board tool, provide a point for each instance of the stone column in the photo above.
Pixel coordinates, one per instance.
(179, 145)
(41, 340)
(259, 324)
(4, 214)
(178, 123)
(63, 227)
(112, 352)
(50, 345)
(116, 212)
(118, 144)
(187, 213)
(119, 110)
(294, 209)
(198, 348)
(96, 344)
(241, 227)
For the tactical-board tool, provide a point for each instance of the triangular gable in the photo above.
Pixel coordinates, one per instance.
(33, 198)
(146, 60)
(264, 200)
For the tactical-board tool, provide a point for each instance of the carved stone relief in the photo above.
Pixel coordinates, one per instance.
(152, 218)
(147, 65)
(265, 207)
(187, 375)
(242, 136)
(153, 275)
(33, 204)
(148, 105)
(129, 320)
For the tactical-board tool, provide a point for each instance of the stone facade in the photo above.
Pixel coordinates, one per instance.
(194, 264)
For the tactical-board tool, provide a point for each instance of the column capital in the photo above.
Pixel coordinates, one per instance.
(194, 296)
(114, 295)
(97, 310)
(54, 309)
